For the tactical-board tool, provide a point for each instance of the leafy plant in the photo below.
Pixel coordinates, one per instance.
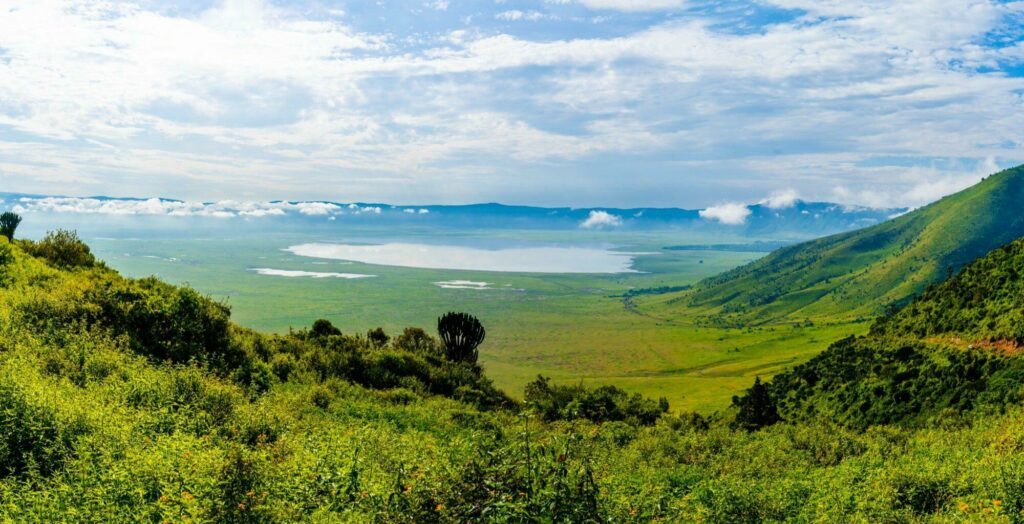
(9, 222)
(63, 249)
(462, 334)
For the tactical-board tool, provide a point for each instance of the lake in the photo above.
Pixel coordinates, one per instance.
(530, 259)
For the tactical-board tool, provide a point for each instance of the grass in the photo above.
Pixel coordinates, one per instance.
(572, 328)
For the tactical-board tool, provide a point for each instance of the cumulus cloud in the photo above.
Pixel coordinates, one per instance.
(784, 199)
(601, 219)
(732, 214)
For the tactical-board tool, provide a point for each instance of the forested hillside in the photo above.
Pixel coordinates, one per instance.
(134, 400)
(953, 352)
(860, 273)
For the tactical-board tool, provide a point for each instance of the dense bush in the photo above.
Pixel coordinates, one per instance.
(34, 438)
(63, 249)
(602, 404)
(165, 322)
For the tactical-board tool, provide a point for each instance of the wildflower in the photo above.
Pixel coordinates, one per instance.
(997, 502)
(964, 506)
(440, 507)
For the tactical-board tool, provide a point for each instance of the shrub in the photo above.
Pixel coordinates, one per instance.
(603, 404)
(416, 340)
(323, 328)
(167, 322)
(33, 438)
(377, 337)
(63, 248)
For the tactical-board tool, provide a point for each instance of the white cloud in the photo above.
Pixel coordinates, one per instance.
(919, 186)
(601, 219)
(515, 15)
(784, 199)
(733, 214)
(156, 206)
(633, 5)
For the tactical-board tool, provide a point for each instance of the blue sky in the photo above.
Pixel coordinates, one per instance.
(551, 102)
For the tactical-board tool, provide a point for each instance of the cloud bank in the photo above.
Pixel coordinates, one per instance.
(157, 206)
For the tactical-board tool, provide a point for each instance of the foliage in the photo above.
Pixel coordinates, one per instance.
(63, 249)
(603, 404)
(9, 222)
(949, 352)
(462, 334)
(755, 409)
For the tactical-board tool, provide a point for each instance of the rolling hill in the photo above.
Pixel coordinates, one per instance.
(954, 349)
(859, 273)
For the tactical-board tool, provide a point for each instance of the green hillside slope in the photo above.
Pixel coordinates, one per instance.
(859, 273)
(953, 350)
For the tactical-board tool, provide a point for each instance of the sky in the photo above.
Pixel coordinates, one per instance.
(627, 103)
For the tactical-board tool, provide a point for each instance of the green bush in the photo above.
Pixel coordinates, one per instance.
(34, 438)
(602, 404)
(63, 249)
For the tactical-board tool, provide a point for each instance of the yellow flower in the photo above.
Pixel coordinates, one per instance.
(964, 506)
(997, 502)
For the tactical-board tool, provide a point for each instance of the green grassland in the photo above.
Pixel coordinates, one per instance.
(573, 328)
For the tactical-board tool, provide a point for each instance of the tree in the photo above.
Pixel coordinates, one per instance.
(323, 328)
(416, 340)
(377, 337)
(8, 223)
(462, 334)
(756, 408)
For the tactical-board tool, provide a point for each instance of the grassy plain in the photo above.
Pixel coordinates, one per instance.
(571, 327)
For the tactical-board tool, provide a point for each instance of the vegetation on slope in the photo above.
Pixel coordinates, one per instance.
(861, 272)
(951, 351)
(133, 400)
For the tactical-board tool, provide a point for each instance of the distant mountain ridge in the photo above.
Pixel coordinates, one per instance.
(859, 273)
(798, 219)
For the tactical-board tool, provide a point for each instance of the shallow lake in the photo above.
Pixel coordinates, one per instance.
(531, 259)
